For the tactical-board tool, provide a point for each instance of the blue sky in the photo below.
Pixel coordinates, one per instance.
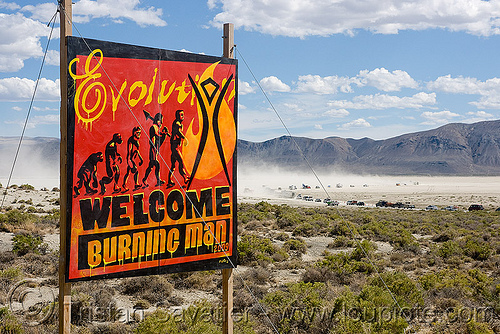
(349, 68)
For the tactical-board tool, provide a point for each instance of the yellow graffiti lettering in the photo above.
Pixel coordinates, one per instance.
(162, 97)
(151, 88)
(144, 90)
(124, 242)
(94, 253)
(118, 97)
(173, 241)
(182, 92)
(84, 113)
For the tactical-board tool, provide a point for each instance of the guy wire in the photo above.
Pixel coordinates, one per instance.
(177, 181)
(358, 243)
(29, 110)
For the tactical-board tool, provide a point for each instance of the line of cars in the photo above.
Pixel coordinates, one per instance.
(386, 204)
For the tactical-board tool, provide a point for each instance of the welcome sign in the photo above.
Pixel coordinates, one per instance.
(151, 161)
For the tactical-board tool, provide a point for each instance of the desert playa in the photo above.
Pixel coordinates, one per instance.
(417, 190)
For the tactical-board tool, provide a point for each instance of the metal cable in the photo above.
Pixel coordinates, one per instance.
(177, 181)
(29, 110)
(358, 243)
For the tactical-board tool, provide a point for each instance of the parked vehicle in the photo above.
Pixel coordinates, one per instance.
(352, 202)
(360, 204)
(333, 203)
(451, 208)
(318, 200)
(381, 204)
(476, 207)
(431, 207)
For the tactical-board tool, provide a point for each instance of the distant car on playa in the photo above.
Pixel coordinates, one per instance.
(476, 207)
(431, 207)
(451, 208)
(333, 203)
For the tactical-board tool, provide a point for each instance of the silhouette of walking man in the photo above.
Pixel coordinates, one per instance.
(132, 155)
(112, 158)
(156, 139)
(175, 146)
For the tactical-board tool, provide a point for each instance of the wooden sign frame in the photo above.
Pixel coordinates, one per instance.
(129, 212)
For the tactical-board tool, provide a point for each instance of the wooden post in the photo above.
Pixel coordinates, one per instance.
(64, 288)
(227, 274)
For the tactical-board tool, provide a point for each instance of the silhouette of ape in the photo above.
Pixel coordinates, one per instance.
(133, 154)
(112, 159)
(156, 139)
(88, 173)
(175, 146)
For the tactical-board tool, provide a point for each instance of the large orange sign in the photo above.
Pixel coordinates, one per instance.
(151, 161)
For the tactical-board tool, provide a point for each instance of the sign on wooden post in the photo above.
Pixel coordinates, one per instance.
(151, 161)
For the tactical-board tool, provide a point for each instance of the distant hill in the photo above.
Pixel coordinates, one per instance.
(452, 149)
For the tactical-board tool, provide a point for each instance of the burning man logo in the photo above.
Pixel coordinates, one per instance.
(217, 135)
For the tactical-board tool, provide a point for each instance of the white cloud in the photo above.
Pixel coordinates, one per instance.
(478, 116)
(86, 10)
(41, 12)
(21, 89)
(318, 126)
(336, 113)
(273, 84)
(325, 85)
(33, 122)
(386, 81)
(324, 18)
(439, 117)
(489, 89)
(358, 123)
(19, 40)
(9, 5)
(383, 101)
(245, 88)
(293, 107)
(52, 58)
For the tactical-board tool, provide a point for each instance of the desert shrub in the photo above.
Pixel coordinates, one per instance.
(26, 187)
(155, 289)
(26, 243)
(449, 249)
(472, 284)
(403, 288)
(402, 239)
(111, 328)
(295, 244)
(339, 228)
(304, 229)
(317, 274)
(363, 249)
(257, 275)
(474, 327)
(258, 212)
(477, 249)
(11, 273)
(16, 217)
(202, 280)
(341, 241)
(252, 249)
(343, 265)
(196, 319)
(294, 309)
(286, 220)
(8, 323)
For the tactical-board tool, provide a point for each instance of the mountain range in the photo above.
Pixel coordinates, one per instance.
(452, 149)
